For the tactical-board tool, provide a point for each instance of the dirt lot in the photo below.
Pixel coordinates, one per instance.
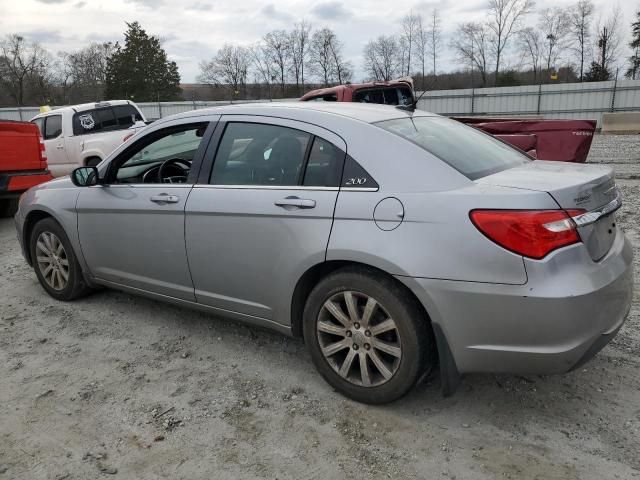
(115, 385)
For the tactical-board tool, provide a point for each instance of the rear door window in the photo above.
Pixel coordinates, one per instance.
(324, 165)
(86, 122)
(52, 126)
(473, 153)
(260, 154)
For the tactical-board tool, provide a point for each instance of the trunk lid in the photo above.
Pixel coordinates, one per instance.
(585, 187)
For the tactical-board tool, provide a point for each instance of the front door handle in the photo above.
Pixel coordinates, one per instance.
(165, 198)
(295, 202)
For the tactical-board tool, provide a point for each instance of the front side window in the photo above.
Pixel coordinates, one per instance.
(161, 157)
(52, 127)
(470, 151)
(260, 154)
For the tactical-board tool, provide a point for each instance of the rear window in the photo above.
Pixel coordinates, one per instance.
(472, 152)
(118, 117)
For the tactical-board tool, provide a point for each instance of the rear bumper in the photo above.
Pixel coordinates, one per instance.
(568, 310)
(12, 184)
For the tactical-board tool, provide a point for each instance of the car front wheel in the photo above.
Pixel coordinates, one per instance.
(54, 261)
(367, 336)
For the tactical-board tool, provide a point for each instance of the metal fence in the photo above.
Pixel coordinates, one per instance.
(565, 100)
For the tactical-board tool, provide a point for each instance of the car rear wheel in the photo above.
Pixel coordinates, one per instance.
(366, 335)
(54, 261)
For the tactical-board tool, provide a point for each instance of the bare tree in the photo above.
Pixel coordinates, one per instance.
(20, 61)
(608, 41)
(381, 57)
(403, 54)
(299, 41)
(555, 24)
(260, 59)
(505, 17)
(581, 18)
(278, 47)
(634, 59)
(326, 58)
(422, 42)
(471, 44)
(409, 32)
(531, 44)
(434, 39)
(229, 67)
(342, 67)
(85, 69)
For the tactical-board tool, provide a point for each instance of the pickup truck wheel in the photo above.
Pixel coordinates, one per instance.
(55, 262)
(8, 207)
(92, 161)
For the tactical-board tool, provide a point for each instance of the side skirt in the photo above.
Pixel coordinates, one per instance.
(240, 317)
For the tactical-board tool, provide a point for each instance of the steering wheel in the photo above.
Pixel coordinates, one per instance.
(175, 178)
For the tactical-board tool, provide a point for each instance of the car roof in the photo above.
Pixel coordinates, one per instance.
(312, 112)
(83, 107)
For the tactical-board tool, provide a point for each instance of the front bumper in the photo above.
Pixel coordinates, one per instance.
(568, 310)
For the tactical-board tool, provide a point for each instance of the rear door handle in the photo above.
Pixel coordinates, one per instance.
(165, 198)
(295, 202)
(60, 147)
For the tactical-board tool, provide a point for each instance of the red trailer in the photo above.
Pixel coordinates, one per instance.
(560, 140)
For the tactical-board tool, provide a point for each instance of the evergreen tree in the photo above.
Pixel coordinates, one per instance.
(140, 70)
(634, 68)
(597, 73)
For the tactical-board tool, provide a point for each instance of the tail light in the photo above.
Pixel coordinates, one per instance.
(43, 154)
(530, 233)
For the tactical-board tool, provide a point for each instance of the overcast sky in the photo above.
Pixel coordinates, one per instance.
(194, 29)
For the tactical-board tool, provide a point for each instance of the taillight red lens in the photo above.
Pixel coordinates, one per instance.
(530, 233)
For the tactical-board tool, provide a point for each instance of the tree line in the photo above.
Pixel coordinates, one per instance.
(555, 44)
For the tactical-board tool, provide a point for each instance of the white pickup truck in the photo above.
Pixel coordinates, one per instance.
(85, 134)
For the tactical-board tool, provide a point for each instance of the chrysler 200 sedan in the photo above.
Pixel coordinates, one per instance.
(393, 242)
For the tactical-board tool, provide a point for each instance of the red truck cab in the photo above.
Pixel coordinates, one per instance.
(394, 92)
(23, 163)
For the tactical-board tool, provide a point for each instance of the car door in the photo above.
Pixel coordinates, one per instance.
(55, 147)
(263, 215)
(131, 226)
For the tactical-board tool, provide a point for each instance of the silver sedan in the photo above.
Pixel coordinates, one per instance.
(393, 242)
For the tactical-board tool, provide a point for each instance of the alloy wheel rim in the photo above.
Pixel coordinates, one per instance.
(52, 260)
(359, 339)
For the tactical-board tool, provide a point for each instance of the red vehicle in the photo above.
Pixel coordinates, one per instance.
(23, 163)
(560, 140)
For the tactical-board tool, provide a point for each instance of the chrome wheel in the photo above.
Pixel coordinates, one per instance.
(359, 339)
(52, 259)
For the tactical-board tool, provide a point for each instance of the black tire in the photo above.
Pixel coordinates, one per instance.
(92, 161)
(414, 334)
(75, 285)
(8, 207)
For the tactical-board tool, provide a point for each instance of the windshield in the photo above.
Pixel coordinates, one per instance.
(472, 152)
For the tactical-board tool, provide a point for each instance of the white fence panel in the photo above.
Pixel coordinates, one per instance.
(565, 100)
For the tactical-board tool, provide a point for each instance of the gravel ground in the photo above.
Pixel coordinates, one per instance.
(115, 385)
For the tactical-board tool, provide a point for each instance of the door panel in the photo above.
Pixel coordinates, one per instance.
(254, 230)
(128, 238)
(247, 253)
(55, 146)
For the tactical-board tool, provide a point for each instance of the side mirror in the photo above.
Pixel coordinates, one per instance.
(85, 176)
